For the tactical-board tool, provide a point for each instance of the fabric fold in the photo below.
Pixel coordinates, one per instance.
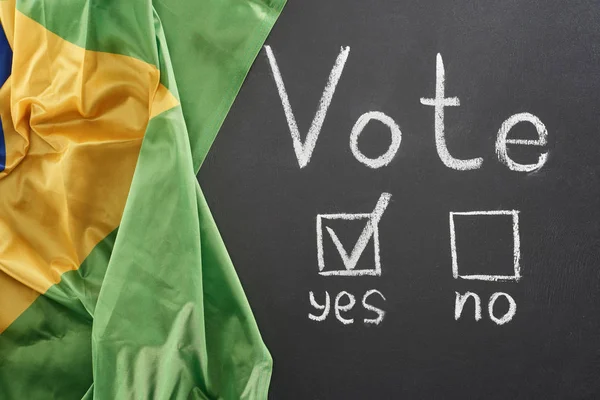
(114, 280)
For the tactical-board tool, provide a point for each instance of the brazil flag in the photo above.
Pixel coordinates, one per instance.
(114, 281)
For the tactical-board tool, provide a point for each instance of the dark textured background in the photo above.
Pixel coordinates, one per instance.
(501, 58)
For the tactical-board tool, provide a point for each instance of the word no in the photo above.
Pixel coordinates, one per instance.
(461, 300)
(305, 149)
(343, 308)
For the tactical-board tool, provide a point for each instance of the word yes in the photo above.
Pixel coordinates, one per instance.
(340, 308)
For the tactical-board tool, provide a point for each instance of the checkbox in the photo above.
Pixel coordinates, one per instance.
(480, 240)
(350, 259)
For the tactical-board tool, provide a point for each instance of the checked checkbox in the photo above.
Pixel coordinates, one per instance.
(350, 259)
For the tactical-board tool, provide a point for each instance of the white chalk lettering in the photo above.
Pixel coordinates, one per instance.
(316, 305)
(439, 102)
(304, 150)
(460, 301)
(380, 313)
(344, 308)
(502, 141)
(512, 308)
(385, 158)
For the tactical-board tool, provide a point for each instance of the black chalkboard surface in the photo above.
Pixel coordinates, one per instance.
(457, 169)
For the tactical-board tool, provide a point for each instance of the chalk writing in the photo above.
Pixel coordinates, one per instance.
(461, 300)
(516, 246)
(346, 307)
(340, 307)
(304, 150)
(512, 308)
(385, 158)
(502, 141)
(371, 229)
(439, 102)
(316, 305)
(380, 313)
(345, 301)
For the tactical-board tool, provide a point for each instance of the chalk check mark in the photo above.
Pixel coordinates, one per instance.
(350, 260)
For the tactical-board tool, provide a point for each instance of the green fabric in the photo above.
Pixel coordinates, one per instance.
(156, 311)
(213, 57)
(113, 26)
(188, 331)
(211, 44)
(46, 352)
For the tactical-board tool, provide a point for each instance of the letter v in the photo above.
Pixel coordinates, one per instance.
(304, 150)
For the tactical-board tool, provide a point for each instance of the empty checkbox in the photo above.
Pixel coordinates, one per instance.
(485, 245)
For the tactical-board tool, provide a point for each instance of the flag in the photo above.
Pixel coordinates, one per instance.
(114, 280)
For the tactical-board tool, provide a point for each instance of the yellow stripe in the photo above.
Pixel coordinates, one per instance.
(74, 124)
(7, 16)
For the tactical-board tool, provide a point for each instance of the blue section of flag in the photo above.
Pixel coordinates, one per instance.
(5, 67)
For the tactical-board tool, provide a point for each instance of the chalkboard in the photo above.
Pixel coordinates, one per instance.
(450, 190)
